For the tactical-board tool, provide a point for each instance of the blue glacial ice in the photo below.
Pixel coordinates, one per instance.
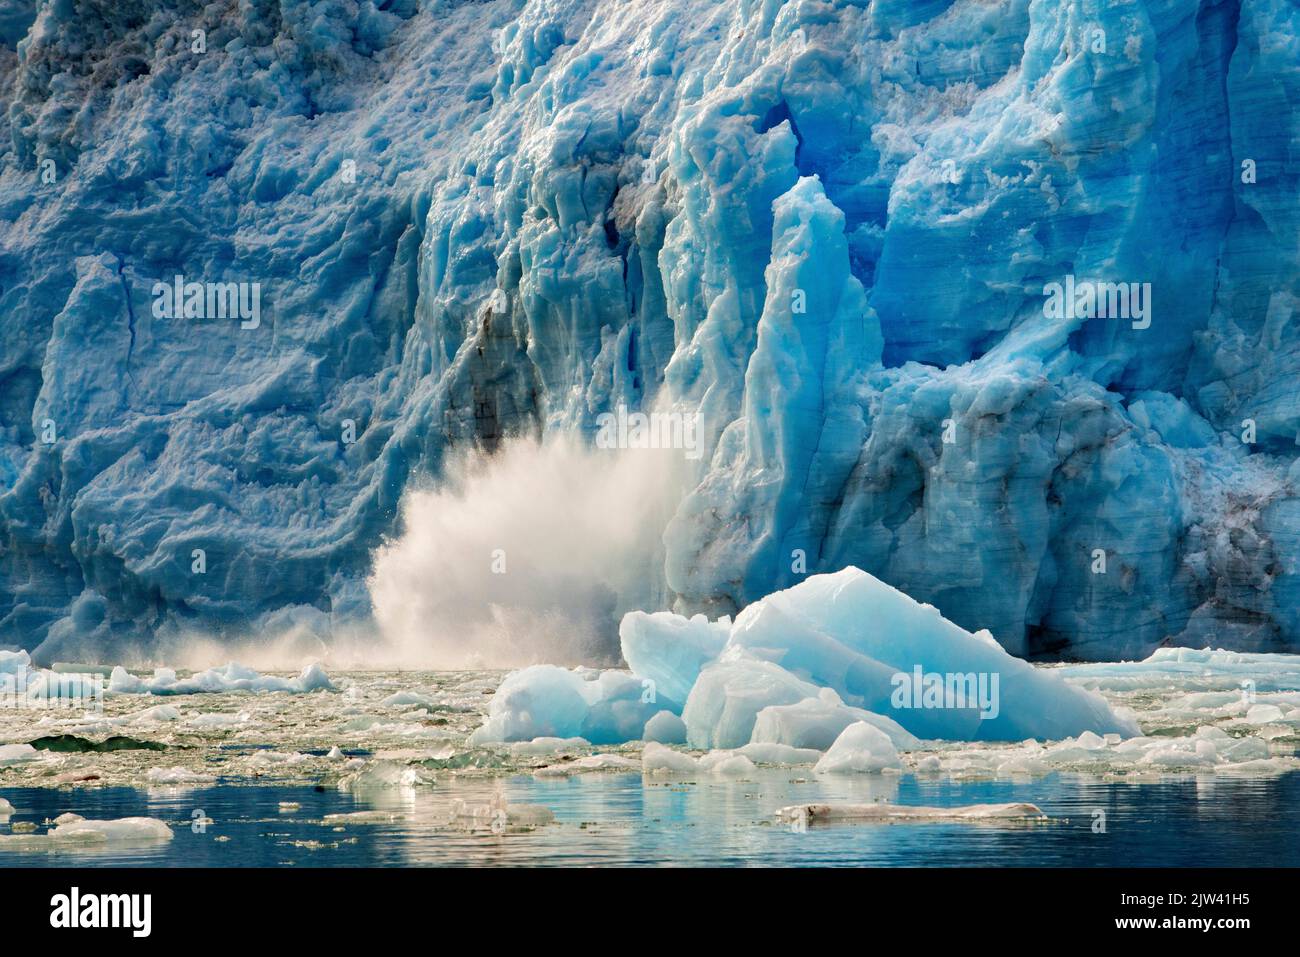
(846, 652)
(545, 701)
(817, 722)
(827, 228)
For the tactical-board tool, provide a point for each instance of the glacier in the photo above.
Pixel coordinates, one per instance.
(824, 227)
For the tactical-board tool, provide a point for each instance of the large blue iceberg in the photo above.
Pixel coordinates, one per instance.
(996, 302)
(798, 668)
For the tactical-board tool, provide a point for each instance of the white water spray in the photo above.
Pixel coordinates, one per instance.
(529, 556)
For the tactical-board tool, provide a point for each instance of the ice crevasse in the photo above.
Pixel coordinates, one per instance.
(841, 663)
(825, 227)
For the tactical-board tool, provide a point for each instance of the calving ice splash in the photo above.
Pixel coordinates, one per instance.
(180, 299)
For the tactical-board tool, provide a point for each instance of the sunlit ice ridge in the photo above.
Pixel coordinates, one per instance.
(311, 313)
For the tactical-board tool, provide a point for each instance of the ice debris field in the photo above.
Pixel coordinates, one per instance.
(802, 680)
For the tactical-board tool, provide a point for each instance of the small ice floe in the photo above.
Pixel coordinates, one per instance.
(591, 762)
(1264, 714)
(413, 699)
(67, 817)
(781, 755)
(178, 776)
(860, 748)
(361, 817)
(543, 746)
(127, 830)
(24, 842)
(497, 814)
(373, 726)
(900, 813)
(1209, 749)
(605, 707)
(271, 758)
(217, 721)
(408, 698)
(382, 774)
(659, 759)
(6, 808)
(288, 807)
(727, 764)
(158, 714)
(122, 831)
(1192, 669)
(232, 677)
(75, 776)
(665, 728)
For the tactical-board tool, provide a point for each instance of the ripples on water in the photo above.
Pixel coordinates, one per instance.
(621, 818)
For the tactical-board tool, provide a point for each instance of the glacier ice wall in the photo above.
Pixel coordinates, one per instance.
(825, 225)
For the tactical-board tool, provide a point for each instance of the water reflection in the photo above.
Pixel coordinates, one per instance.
(621, 818)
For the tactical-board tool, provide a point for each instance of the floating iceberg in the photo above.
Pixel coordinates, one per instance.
(604, 707)
(178, 776)
(127, 830)
(861, 747)
(660, 759)
(883, 653)
(1196, 669)
(665, 728)
(798, 668)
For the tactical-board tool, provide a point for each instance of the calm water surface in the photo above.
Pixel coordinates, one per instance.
(605, 818)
